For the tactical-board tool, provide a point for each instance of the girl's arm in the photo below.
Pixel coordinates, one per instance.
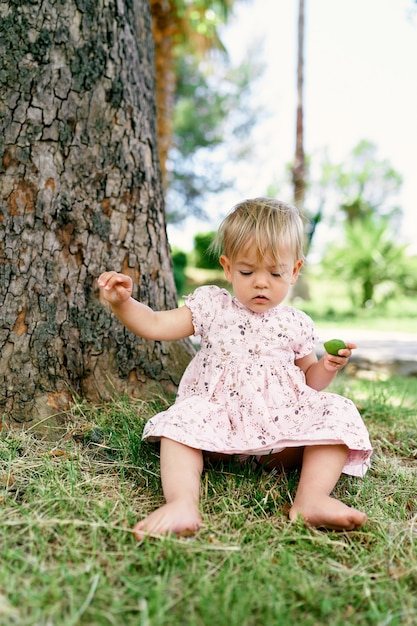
(139, 318)
(319, 374)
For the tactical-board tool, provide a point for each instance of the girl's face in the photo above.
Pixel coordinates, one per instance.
(261, 285)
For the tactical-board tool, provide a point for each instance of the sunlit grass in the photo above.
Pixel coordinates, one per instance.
(69, 556)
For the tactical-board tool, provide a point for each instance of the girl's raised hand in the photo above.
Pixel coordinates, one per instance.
(116, 288)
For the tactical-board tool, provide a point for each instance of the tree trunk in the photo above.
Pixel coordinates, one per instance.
(301, 288)
(299, 167)
(165, 27)
(80, 193)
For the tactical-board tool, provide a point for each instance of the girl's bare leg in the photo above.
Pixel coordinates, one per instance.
(181, 469)
(320, 471)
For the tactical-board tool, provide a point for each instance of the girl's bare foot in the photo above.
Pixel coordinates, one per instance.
(322, 511)
(178, 517)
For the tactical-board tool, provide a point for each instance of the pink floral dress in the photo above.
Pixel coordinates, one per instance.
(243, 394)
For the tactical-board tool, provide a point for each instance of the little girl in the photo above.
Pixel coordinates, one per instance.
(255, 385)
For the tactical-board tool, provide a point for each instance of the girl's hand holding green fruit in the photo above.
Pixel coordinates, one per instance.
(332, 359)
(333, 346)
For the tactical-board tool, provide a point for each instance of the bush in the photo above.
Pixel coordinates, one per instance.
(203, 258)
(179, 260)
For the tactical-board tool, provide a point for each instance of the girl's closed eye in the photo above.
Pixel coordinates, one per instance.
(245, 272)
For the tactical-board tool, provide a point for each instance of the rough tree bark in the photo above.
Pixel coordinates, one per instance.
(80, 192)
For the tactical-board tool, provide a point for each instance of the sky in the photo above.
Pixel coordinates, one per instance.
(360, 83)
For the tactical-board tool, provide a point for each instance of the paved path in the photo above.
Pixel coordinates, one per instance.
(394, 352)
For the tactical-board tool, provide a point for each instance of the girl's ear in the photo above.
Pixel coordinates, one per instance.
(225, 263)
(296, 270)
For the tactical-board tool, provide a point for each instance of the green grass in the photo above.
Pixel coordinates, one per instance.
(68, 556)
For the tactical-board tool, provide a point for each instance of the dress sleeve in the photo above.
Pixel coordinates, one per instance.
(203, 304)
(306, 338)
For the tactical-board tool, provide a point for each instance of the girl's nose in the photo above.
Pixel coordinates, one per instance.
(261, 280)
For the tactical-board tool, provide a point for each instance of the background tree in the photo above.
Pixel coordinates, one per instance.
(365, 253)
(366, 185)
(180, 28)
(368, 258)
(80, 193)
(213, 117)
(203, 257)
(299, 165)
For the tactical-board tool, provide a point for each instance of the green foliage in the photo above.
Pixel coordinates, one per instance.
(179, 260)
(204, 17)
(212, 108)
(365, 184)
(199, 109)
(366, 256)
(367, 259)
(203, 257)
(408, 269)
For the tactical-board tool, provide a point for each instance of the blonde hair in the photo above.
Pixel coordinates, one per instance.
(264, 223)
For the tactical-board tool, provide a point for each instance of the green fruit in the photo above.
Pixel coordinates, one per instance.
(333, 346)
